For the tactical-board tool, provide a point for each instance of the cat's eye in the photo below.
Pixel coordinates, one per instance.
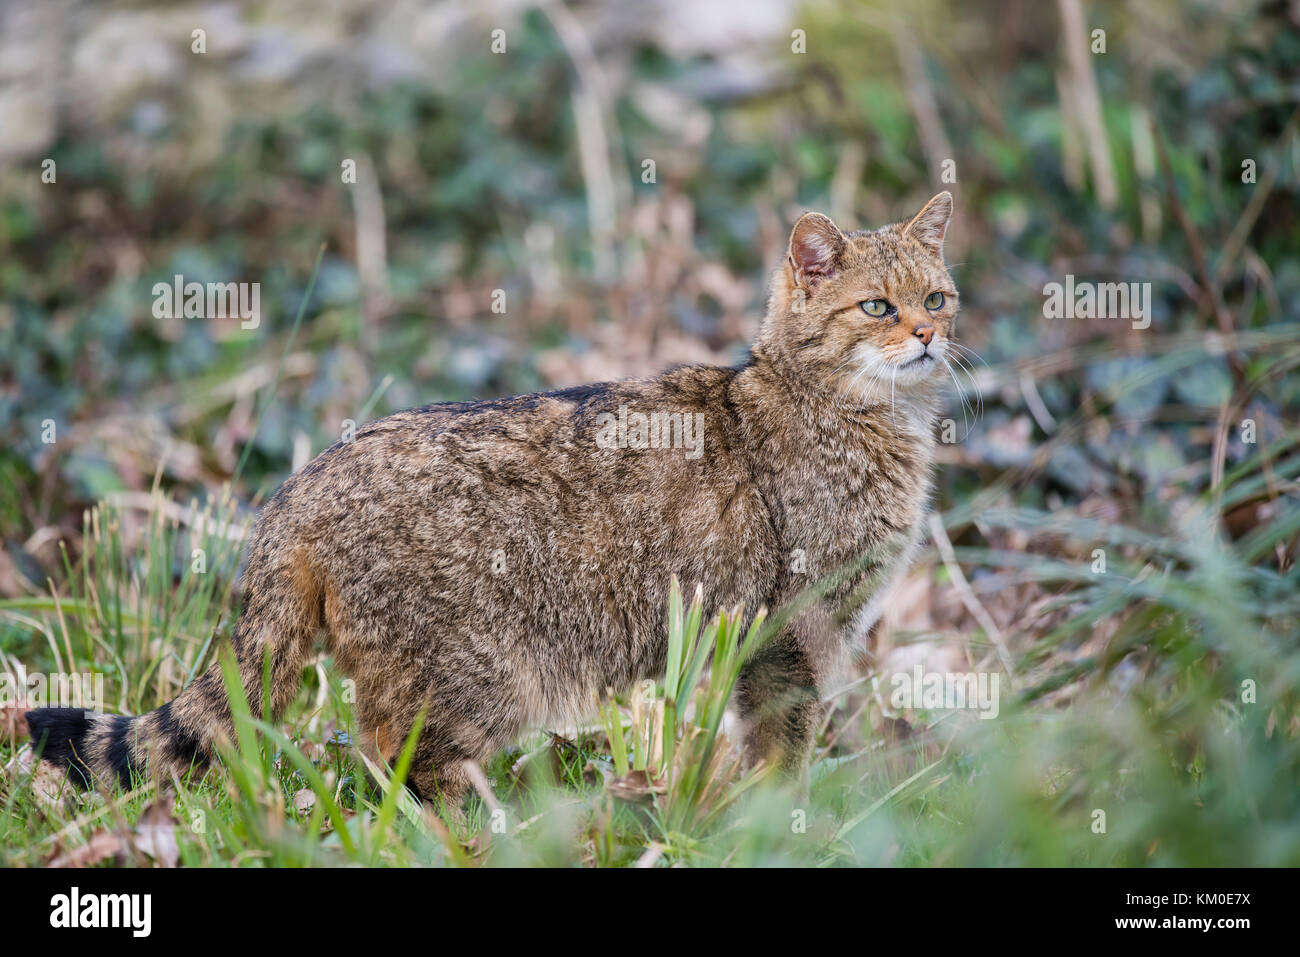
(876, 308)
(934, 300)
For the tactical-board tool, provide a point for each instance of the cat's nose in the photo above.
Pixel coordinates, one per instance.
(924, 332)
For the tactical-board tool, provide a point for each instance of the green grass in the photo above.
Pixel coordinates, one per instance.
(1127, 691)
(1150, 726)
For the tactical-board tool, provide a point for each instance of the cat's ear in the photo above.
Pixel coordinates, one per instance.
(930, 225)
(816, 245)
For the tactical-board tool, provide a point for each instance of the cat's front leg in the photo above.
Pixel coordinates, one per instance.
(779, 698)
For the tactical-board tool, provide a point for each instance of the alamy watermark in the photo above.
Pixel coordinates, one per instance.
(945, 691)
(179, 299)
(74, 909)
(1098, 300)
(653, 430)
(37, 690)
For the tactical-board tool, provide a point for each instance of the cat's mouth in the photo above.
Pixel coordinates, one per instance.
(923, 357)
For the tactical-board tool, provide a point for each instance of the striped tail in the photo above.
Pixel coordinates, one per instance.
(281, 621)
(103, 749)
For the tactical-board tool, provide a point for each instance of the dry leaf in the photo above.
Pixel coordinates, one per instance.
(154, 837)
(155, 834)
(13, 721)
(102, 845)
(635, 787)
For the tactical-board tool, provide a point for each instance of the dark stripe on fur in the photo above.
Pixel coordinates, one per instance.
(118, 752)
(182, 746)
(59, 736)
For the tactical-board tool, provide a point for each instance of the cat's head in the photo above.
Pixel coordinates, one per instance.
(869, 313)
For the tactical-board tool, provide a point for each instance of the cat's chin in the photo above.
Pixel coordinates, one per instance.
(919, 375)
(921, 369)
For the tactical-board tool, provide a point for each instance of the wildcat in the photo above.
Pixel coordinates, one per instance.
(503, 561)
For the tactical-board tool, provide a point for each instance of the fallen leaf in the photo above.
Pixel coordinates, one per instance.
(102, 845)
(155, 834)
(13, 721)
(635, 787)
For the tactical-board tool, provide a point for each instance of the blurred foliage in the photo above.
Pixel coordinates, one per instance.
(1090, 433)
(464, 175)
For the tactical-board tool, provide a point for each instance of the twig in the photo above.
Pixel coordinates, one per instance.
(480, 782)
(967, 596)
(591, 113)
(372, 249)
(1034, 402)
(920, 96)
(1087, 99)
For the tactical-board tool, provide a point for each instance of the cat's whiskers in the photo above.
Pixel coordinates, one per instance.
(848, 360)
(961, 394)
(881, 364)
(874, 367)
(893, 384)
(974, 384)
(839, 368)
(965, 349)
(966, 366)
(977, 406)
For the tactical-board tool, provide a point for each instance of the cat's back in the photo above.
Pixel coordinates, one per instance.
(539, 517)
(655, 469)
